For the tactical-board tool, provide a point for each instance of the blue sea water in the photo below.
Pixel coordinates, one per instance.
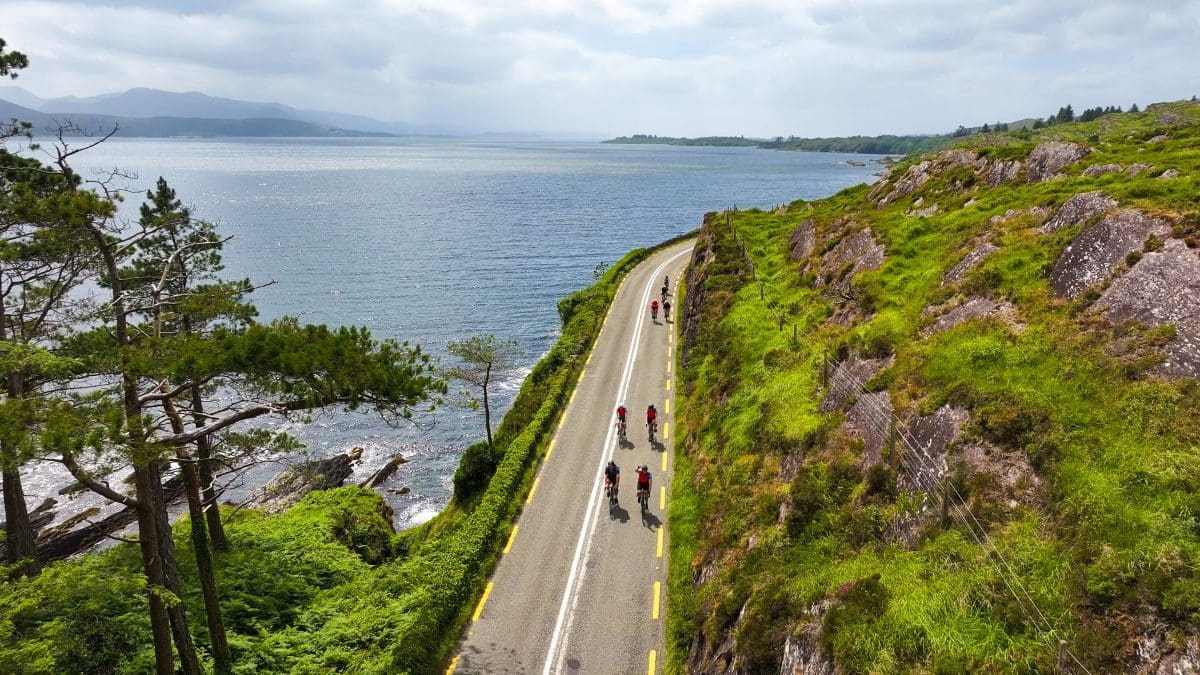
(430, 240)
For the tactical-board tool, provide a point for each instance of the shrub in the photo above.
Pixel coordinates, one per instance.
(856, 604)
(475, 469)
(881, 482)
(1007, 419)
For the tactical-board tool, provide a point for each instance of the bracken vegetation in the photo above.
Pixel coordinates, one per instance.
(906, 447)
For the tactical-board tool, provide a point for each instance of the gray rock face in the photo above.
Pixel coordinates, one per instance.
(968, 263)
(1047, 158)
(860, 249)
(925, 448)
(848, 376)
(1077, 209)
(803, 239)
(1168, 174)
(1159, 138)
(1135, 169)
(912, 180)
(1163, 288)
(1160, 653)
(1099, 169)
(925, 212)
(1098, 250)
(1002, 171)
(1012, 469)
(973, 308)
(1013, 214)
(869, 419)
(802, 653)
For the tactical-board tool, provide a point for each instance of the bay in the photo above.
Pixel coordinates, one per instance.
(430, 240)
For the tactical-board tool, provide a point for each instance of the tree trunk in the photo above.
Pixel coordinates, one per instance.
(487, 410)
(18, 530)
(188, 661)
(204, 561)
(212, 512)
(160, 622)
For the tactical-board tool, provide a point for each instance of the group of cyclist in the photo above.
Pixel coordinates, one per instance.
(666, 304)
(612, 483)
(612, 472)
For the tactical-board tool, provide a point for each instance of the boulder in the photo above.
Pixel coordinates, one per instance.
(860, 250)
(973, 308)
(965, 265)
(1135, 169)
(1012, 214)
(1163, 288)
(909, 182)
(925, 212)
(1002, 171)
(383, 473)
(1159, 139)
(1046, 159)
(1099, 169)
(803, 240)
(1077, 209)
(290, 486)
(855, 162)
(1168, 174)
(1100, 249)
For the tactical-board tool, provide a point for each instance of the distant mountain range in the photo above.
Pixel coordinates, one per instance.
(157, 113)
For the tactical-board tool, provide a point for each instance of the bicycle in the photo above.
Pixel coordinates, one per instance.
(643, 497)
(652, 426)
(621, 429)
(610, 491)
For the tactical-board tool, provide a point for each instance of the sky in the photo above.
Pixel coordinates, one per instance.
(757, 68)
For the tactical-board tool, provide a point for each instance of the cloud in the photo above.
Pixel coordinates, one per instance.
(694, 67)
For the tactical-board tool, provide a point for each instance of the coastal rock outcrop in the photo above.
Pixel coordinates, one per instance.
(854, 253)
(1098, 250)
(1046, 159)
(1077, 209)
(803, 240)
(1101, 169)
(968, 263)
(927, 439)
(1163, 288)
(290, 486)
(1002, 171)
(960, 311)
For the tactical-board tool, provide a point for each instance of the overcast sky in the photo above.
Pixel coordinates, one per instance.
(607, 67)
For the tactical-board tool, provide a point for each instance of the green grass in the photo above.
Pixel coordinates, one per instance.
(1112, 533)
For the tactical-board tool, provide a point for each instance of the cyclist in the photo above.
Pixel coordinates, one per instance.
(664, 292)
(666, 282)
(666, 309)
(621, 420)
(643, 485)
(654, 310)
(651, 417)
(612, 479)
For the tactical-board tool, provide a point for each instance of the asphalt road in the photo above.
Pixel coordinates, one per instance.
(580, 587)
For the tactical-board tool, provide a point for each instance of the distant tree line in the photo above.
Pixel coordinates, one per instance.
(874, 145)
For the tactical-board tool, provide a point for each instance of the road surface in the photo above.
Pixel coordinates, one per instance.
(580, 586)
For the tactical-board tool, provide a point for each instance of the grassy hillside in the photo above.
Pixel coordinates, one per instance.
(919, 432)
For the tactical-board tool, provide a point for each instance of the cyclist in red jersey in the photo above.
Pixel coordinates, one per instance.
(654, 309)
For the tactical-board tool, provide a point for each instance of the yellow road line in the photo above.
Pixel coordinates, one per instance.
(653, 604)
(488, 591)
(668, 384)
(668, 366)
(658, 551)
(582, 372)
(511, 537)
(666, 430)
(575, 391)
(664, 466)
(454, 664)
(668, 406)
(550, 448)
(532, 489)
(650, 667)
(670, 350)
(662, 497)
